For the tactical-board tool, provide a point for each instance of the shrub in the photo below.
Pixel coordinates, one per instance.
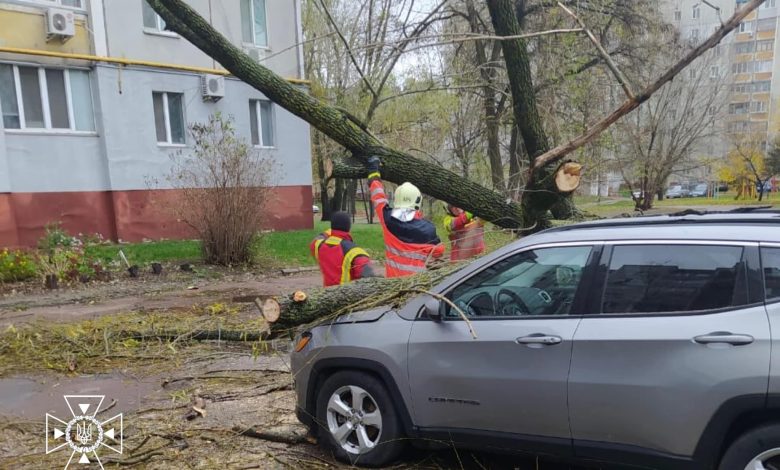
(57, 237)
(63, 255)
(16, 266)
(225, 187)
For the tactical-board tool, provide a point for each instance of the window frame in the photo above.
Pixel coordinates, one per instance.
(262, 145)
(581, 298)
(253, 43)
(167, 119)
(57, 4)
(160, 29)
(749, 261)
(696, 12)
(45, 102)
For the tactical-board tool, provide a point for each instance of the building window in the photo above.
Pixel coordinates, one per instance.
(62, 3)
(767, 24)
(694, 35)
(745, 47)
(261, 120)
(759, 87)
(763, 66)
(714, 72)
(152, 20)
(742, 67)
(46, 98)
(696, 12)
(762, 46)
(253, 22)
(758, 107)
(739, 108)
(746, 27)
(169, 117)
(711, 110)
(770, 4)
(677, 15)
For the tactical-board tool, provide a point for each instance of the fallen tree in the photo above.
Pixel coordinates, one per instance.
(323, 304)
(550, 181)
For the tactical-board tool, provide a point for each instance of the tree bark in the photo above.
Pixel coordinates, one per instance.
(398, 167)
(540, 193)
(328, 303)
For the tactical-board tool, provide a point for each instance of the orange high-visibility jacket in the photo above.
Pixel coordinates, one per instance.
(402, 259)
(467, 236)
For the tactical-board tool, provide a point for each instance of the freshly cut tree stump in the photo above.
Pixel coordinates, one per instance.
(568, 177)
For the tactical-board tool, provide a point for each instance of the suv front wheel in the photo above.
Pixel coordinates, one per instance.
(758, 449)
(358, 421)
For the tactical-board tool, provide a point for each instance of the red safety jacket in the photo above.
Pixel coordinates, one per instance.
(401, 259)
(340, 260)
(467, 236)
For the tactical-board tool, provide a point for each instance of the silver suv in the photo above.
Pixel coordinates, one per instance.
(645, 341)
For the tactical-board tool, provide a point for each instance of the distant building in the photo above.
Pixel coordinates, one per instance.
(748, 60)
(95, 95)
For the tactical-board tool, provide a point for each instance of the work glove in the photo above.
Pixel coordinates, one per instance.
(469, 216)
(373, 164)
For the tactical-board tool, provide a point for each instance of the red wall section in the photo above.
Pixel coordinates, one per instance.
(127, 215)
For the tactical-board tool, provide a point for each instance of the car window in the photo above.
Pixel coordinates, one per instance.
(770, 260)
(674, 278)
(536, 282)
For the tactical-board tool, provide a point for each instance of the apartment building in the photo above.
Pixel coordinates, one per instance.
(746, 62)
(95, 95)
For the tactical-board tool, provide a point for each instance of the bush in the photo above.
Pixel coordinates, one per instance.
(225, 188)
(16, 266)
(63, 255)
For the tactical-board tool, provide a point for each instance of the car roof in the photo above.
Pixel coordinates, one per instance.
(745, 224)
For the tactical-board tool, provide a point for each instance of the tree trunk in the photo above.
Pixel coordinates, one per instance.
(540, 193)
(328, 303)
(321, 175)
(397, 166)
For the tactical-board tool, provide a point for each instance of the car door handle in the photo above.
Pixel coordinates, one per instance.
(539, 340)
(724, 337)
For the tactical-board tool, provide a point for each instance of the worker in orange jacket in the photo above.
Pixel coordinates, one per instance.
(410, 240)
(466, 233)
(339, 258)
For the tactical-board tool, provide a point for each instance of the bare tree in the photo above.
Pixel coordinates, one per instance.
(669, 132)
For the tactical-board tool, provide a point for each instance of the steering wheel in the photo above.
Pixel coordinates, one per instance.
(515, 307)
(474, 308)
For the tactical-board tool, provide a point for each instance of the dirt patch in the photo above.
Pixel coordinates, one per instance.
(148, 293)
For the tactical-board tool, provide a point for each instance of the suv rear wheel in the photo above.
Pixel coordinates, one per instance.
(758, 449)
(358, 420)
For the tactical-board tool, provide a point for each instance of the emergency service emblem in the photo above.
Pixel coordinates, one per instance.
(84, 434)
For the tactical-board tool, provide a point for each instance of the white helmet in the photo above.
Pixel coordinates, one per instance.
(407, 196)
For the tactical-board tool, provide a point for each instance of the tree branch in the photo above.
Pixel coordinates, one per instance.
(348, 48)
(610, 63)
(594, 131)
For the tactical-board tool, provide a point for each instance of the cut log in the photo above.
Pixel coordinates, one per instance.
(331, 302)
(568, 177)
(269, 308)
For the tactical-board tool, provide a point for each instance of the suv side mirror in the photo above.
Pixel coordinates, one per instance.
(433, 309)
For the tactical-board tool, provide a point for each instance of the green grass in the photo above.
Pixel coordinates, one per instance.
(145, 253)
(284, 248)
(292, 248)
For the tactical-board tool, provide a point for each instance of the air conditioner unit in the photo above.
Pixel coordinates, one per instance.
(212, 87)
(256, 54)
(59, 24)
